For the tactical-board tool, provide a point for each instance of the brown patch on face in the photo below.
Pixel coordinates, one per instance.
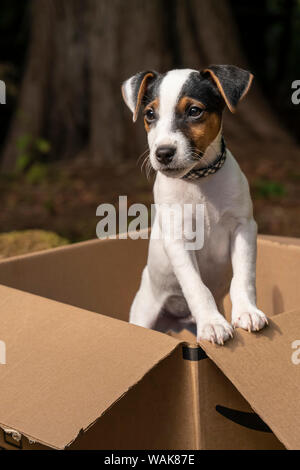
(186, 102)
(201, 132)
(153, 105)
(141, 94)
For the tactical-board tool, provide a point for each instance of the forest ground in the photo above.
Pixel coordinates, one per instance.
(65, 198)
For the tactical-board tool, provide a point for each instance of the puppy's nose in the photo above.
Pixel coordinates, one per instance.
(165, 153)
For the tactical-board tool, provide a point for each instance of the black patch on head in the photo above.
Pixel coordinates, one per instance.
(202, 89)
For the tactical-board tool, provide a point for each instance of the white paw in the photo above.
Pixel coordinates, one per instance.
(216, 330)
(253, 320)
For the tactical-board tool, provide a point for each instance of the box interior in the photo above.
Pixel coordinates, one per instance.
(104, 275)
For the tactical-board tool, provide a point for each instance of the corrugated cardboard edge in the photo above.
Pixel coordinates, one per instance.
(265, 239)
(282, 240)
(95, 241)
(30, 438)
(288, 243)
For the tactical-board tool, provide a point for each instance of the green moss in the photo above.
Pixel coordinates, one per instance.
(269, 189)
(27, 241)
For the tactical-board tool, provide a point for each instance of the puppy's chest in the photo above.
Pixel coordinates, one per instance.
(203, 211)
(197, 205)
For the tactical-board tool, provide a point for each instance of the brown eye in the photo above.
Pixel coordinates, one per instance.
(150, 115)
(195, 112)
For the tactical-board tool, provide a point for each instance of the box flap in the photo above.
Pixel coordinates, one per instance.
(66, 366)
(292, 241)
(265, 368)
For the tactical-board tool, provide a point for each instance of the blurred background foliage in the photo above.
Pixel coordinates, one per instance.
(270, 34)
(67, 142)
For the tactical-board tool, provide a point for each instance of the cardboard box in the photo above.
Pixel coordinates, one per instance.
(78, 376)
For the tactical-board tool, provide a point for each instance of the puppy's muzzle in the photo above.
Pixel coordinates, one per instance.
(165, 153)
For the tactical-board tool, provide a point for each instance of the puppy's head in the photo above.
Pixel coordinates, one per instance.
(183, 111)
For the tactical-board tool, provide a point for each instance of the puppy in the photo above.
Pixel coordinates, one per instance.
(180, 287)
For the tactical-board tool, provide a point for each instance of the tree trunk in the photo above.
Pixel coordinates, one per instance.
(125, 37)
(31, 107)
(81, 52)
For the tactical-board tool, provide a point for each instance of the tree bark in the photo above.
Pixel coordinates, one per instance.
(125, 37)
(82, 51)
(30, 111)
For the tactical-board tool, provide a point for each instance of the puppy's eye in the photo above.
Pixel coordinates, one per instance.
(150, 115)
(195, 112)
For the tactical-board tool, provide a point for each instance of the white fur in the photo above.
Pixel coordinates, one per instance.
(127, 94)
(163, 133)
(183, 288)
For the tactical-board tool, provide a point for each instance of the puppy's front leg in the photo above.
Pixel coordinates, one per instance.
(211, 325)
(245, 313)
(147, 305)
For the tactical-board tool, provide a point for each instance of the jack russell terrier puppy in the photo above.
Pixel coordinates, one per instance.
(183, 288)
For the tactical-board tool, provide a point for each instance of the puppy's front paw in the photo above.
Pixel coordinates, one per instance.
(253, 320)
(216, 330)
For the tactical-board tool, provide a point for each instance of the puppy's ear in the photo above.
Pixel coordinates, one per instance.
(232, 82)
(134, 90)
